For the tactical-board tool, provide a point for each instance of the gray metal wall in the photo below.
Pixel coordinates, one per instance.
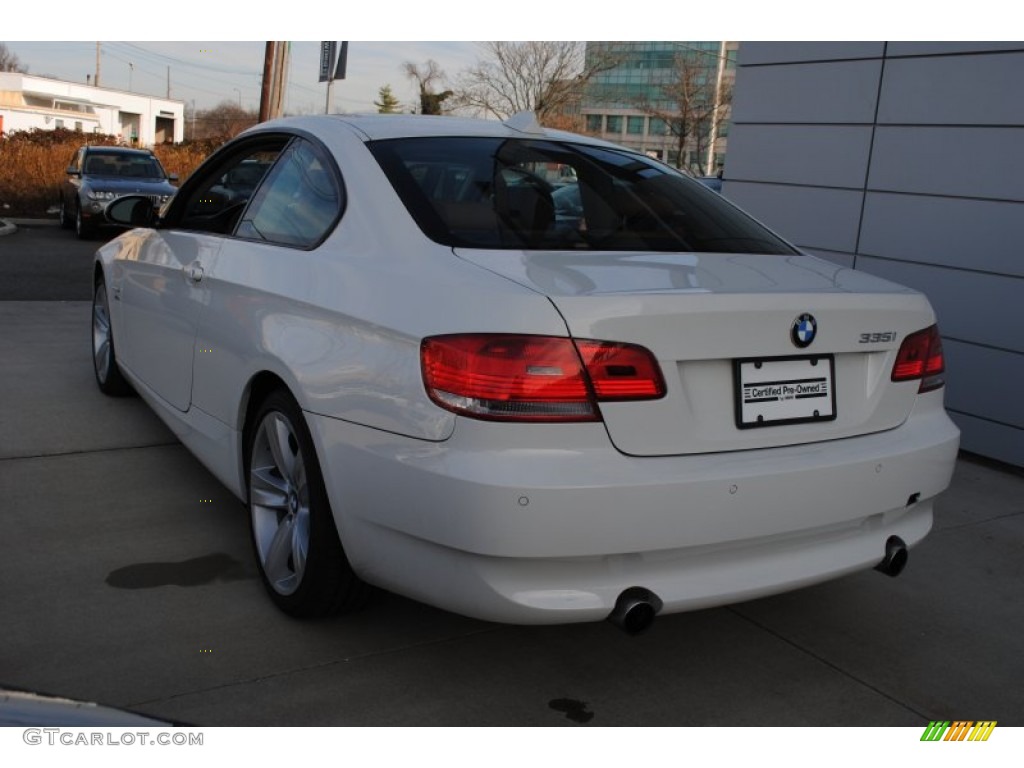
(905, 160)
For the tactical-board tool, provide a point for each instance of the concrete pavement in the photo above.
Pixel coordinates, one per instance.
(126, 578)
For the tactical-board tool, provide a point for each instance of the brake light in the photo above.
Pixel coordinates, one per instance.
(920, 357)
(535, 378)
(621, 371)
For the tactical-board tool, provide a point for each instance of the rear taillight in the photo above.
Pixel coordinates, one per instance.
(920, 357)
(535, 378)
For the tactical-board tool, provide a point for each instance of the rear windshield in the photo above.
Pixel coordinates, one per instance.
(544, 195)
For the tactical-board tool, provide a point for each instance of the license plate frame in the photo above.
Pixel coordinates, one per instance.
(776, 391)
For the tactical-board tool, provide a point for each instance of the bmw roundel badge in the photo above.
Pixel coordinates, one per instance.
(803, 330)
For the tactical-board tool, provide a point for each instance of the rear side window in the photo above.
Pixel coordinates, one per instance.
(298, 202)
(479, 192)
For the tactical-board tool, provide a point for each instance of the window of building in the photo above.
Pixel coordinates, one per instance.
(614, 124)
(635, 125)
(58, 123)
(594, 123)
(657, 127)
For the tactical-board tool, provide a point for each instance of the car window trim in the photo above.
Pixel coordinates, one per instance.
(245, 144)
(332, 166)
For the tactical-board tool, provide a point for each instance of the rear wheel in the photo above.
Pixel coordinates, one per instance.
(83, 228)
(65, 218)
(104, 359)
(297, 547)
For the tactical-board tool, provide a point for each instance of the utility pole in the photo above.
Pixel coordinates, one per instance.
(168, 81)
(268, 70)
(722, 58)
(279, 79)
(96, 81)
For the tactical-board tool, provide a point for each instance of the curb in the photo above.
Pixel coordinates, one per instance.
(10, 224)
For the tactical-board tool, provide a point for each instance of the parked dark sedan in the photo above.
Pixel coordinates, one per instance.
(98, 175)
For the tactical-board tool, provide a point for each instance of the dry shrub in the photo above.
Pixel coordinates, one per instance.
(184, 158)
(33, 166)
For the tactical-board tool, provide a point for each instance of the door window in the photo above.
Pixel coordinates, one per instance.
(299, 202)
(215, 201)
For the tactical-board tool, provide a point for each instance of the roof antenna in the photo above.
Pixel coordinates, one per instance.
(524, 122)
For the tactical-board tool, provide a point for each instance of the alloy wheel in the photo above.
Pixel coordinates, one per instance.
(101, 334)
(279, 503)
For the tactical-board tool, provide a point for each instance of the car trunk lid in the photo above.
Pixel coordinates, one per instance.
(701, 314)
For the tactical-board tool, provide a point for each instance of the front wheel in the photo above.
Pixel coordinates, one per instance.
(296, 543)
(104, 359)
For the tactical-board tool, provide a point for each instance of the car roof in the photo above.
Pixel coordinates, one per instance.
(376, 127)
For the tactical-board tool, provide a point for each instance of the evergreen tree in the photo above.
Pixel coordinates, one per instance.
(388, 104)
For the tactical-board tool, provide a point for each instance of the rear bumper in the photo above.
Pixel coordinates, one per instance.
(555, 525)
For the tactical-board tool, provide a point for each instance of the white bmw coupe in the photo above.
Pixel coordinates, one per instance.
(519, 374)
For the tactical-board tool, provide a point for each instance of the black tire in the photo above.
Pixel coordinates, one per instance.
(295, 542)
(104, 358)
(65, 220)
(83, 229)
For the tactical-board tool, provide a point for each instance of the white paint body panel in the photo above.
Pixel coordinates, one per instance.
(538, 523)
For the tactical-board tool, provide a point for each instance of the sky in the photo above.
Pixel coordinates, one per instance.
(137, 47)
(213, 71)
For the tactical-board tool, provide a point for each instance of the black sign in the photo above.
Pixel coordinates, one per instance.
(339, 73)
(327, 51)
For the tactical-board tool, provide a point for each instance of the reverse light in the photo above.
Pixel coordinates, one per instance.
(920, 357)
(535, 378)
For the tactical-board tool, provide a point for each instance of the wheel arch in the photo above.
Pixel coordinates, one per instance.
(260, 385)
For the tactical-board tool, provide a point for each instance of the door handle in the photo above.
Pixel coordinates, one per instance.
(194, 272)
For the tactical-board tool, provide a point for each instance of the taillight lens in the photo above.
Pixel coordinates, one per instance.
(535, 378)
(920, 357)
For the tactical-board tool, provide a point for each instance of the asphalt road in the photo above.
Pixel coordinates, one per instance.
(42, 262)
(126, 577)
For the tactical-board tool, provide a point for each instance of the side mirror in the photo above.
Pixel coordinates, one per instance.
(172, 177)
(131, 211)
(72, 172)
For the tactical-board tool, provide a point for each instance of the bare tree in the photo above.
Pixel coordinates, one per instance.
(224, 121)
(543, 77)
(9, 61)
(427, 79)
(690, 106)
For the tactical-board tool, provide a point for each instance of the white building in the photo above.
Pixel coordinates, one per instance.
(29, 101)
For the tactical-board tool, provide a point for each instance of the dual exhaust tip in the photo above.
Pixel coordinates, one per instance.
(636, 607)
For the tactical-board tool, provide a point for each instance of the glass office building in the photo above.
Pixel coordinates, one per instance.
(636, 101)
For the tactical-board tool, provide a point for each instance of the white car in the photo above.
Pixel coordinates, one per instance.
(418, 377)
